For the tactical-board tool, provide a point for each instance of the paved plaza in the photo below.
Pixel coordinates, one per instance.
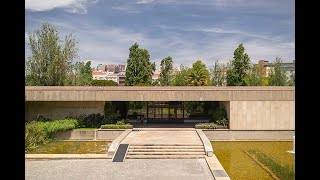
(163, 137)
(132, 169)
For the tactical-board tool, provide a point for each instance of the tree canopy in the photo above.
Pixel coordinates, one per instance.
(166, 70)
(51, 58)
(139, 68)
(238, 67)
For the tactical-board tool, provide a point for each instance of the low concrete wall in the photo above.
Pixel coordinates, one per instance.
(98, 134)
(108, 134)
(229, 135)
(74, 135)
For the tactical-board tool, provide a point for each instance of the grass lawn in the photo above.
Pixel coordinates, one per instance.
(72, 147)
(240, 166)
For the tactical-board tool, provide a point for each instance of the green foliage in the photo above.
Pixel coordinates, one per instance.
(194, 106)
(37, 133)
(165, 74)
(278, 75)
(217, 74)
(223, 122)
(50, 61)
(218, 114)
(103, 83)
(206, 126)
(281, 171)
(116, 126)
(291, 81)
(199, 74)
(255, 76)
(180, 78)
(238, 67)
(81, 74)
(139, 68)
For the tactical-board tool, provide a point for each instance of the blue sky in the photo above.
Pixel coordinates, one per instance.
(186, 30)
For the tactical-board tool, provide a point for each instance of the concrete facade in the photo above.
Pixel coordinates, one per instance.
(60, 110)
(248, 108)
(174, 93)
(262, 115)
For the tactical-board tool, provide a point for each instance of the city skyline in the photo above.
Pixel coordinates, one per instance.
(186, 31)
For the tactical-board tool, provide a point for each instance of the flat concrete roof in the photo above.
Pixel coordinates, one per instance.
(163, 93)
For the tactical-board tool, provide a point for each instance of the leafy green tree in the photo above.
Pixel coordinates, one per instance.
(50, 60)
(217, 74)
(198, 75)
(166, 70)
(255, 76)
(80, 75)
(180, 78)
(139, 68)
(278, 75)
(291, 81)
(238, 67)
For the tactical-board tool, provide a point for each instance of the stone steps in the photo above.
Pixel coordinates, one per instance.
(167, 150)
(164, 151)
(165, 156)
(165, 147)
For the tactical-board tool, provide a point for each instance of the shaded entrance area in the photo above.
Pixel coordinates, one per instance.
(169, 112)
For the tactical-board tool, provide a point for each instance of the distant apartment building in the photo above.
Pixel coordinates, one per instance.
(155, 76)
(267, 67)
(121, 78)
(100, 75)
(116, 68)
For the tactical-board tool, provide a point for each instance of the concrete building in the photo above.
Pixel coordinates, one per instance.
(100, 75)
(267, 67)
(121, 78)
(248, 108)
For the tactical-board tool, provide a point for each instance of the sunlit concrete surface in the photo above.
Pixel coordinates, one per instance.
(132, 169)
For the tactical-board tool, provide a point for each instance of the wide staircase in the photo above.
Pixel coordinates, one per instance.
(165, 151)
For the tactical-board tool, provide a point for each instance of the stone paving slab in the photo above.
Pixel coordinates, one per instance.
(163, 137)
(131, 169)
(216, 168)
(67, 156)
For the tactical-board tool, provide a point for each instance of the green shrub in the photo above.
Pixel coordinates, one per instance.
(93, 120)
(205, 126)
(218, 114)
(223, 122)
(282, 172)
(116, 126)
(37, 133)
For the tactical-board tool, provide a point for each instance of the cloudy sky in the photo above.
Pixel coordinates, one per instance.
(186, 30)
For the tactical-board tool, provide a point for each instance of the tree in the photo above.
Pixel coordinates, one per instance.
(50, 61)
(238, 67)
(255, 76)
(166, 69)
(180, 78)
(278, 75)
(198, 75)
(139, 68)
(217, 74)
(80, 75)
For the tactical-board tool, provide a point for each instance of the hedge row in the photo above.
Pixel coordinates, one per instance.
(206, 126)
(116, 126)
(37, 133)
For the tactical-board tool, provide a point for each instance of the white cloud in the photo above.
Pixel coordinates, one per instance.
(144, 1)
(72, 6)
(104, 44)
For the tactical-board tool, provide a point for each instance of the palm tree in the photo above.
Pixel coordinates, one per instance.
(197, 78)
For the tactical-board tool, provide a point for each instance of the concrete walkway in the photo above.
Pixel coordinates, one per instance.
(132, 169)
(163, 137)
